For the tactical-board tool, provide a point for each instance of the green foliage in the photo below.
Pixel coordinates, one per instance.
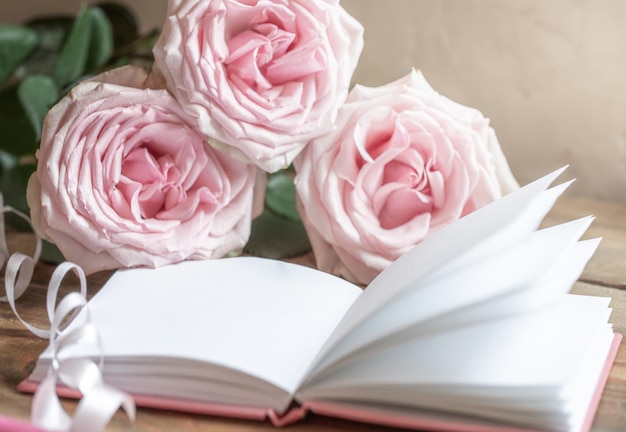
(72, 60)
(280, 197)
(16, 43)
(37, 93)
(278, 233)
(276, 237)
(16, 134)
(88, 46)
(50, 253)
(13, 186)
(100, 40)
(124, 24)
(40, 61)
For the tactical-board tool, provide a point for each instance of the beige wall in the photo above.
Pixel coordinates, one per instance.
(151, 11)
(550, 74)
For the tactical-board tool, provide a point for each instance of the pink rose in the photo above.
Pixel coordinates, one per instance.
(124, 179)
(404, 162)
(263, 77)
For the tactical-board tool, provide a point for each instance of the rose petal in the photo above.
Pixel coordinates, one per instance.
(403, 162)
(262, 78)
(125, 179)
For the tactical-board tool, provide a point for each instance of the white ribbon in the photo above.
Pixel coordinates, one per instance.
(24, 279)
(99, 401)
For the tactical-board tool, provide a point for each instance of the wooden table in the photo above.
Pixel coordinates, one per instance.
(605, 276)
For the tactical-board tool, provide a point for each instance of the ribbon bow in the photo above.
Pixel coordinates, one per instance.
(99, 401)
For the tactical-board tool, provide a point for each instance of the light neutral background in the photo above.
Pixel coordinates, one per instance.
(550, 74)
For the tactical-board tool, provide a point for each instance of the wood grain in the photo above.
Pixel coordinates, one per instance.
(605, 276)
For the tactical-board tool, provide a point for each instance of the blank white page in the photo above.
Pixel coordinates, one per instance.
(491, 228)
(520, 269)
(263, 317)
(540, 368)
(544, 348)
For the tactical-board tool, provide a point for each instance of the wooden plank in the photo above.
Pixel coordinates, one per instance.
(608, 266)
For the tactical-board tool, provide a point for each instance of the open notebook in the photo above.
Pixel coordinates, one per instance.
(471, 330)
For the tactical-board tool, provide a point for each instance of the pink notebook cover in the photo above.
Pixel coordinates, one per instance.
(333, 410)
(8, 424)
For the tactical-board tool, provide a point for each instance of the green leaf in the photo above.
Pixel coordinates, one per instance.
(16, 43)
(280, 196)
(7, 161)
(277, 238)
(101, 43)
(51, 32)
(124, 22)
(50, 253)
(13, 187)
(17, 136)
(13, 184)
(37, 94)
(72, 59)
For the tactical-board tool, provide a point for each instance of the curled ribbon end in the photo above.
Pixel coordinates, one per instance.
(100, 401)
